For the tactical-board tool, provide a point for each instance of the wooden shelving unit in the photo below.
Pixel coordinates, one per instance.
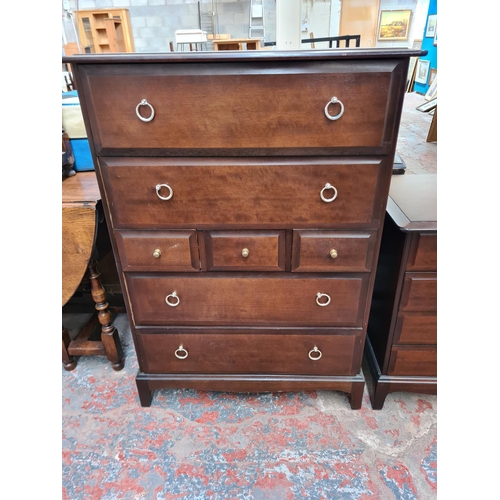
(105, 30)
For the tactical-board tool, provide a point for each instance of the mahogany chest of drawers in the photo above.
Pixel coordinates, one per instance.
(401, 349)
(245, 194)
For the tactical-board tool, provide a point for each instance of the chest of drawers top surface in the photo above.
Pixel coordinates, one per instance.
(413, 202)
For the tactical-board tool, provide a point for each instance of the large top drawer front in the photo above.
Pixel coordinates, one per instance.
(277, 194)
(226, 109)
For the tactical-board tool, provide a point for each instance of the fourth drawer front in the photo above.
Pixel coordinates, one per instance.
(247, 299)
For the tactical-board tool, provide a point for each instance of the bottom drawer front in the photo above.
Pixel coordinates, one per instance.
(251, 353)
(257, 300)
(416, 329)
(417, 361)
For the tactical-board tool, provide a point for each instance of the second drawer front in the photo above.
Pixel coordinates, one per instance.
(245, 250)
(246, 300)
(251, 353)
(418, 361)
(332, 251)
(158, 250)
(419, 292)
(152, 193)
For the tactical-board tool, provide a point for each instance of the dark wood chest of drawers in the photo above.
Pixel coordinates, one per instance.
(401, 349)
(245, 194)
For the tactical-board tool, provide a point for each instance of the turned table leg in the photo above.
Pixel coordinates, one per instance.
(68, 361)
(109, 335)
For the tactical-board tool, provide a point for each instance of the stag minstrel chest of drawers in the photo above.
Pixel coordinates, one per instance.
(401, 348)
(245, 193)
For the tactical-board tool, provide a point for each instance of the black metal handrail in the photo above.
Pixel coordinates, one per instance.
(337, 39)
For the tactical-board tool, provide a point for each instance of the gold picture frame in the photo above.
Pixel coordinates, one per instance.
(394, 25)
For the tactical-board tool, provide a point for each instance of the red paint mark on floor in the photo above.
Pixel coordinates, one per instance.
(208, 417)
(235, 455)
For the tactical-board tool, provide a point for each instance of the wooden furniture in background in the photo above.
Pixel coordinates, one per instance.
(401, 348)
(105, 30)
(432, 136)
(360, 16)
(237, 44)
(80, 199)
(247, 258)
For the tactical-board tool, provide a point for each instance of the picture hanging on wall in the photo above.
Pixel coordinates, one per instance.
(423, 66)
(394, 25)
(436, 36)
(431, 26)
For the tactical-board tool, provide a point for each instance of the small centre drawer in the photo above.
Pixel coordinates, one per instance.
(304, 352)
(256, 299)
(332, 251)
(175, 251)
(245, 250)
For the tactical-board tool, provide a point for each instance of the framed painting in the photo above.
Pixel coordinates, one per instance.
(432, 90)
(432, 75)
(394, 25)
(430, 32)
(427, 106)
(422, 75)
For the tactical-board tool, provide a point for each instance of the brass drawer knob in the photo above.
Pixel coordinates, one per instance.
(315, 354)
(170, 192)
(181, 353)
(333, 253)
(245, 253)
(328, 187)
(144, 103)
(334, 100)
(172, 299)
(157, 253)
(323, 296)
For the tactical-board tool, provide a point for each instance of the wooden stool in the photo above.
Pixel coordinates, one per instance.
(80, 197)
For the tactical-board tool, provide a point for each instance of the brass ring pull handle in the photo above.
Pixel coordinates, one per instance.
(333, 253)
(328, 186)
(144, 103)
(170, 192)
(315, 354)
(245, 253)
(321, 295)
(172, 299)
(157, 253)
(334, 100)
(181, 353)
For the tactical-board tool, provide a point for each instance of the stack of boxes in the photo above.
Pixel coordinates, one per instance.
(73, 125)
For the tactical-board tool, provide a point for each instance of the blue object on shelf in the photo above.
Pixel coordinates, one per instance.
(83, 157)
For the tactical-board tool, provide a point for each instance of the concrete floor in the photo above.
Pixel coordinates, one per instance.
(198, 445)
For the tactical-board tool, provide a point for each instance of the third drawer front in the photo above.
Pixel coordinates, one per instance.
(419, 292)
(300, 353)
(261, 299)
(159, 193)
